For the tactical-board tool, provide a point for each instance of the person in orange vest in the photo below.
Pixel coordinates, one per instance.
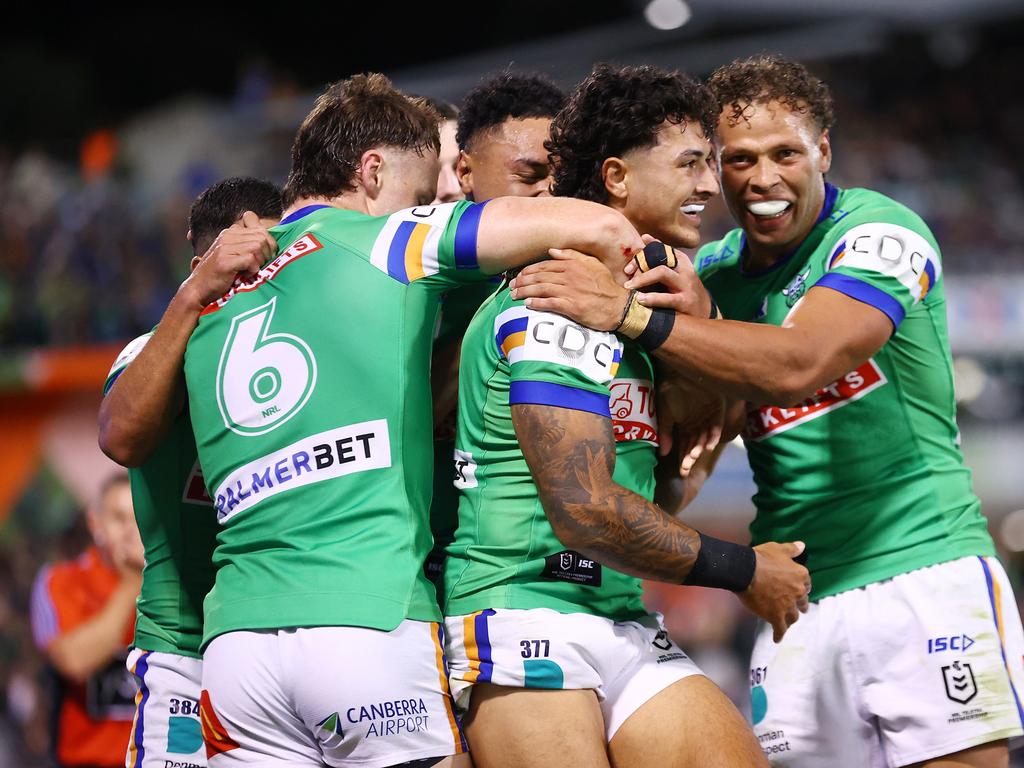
(83, 617)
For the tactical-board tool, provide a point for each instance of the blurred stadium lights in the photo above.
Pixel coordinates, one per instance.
(667, 14)
(699, 35)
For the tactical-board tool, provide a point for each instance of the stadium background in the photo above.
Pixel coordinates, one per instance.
(109, 128)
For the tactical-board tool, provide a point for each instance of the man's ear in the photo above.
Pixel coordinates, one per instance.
(464, 173)
(371, 172)
(614, 171)
(825, 148)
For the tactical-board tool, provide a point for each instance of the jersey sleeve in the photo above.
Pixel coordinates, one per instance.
(45, 622)
(436, 243)
(554, 361)
(886, 264)
(128, 354)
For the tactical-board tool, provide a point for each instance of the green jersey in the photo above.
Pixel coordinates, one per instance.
(457, 309)
(505, 554)
(867, 471)
(310, 401)
(178, 529)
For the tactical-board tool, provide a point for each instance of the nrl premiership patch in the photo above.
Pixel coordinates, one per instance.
(572, 567)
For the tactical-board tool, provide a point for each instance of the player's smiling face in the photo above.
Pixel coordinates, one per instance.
(773, 162)
(667, 185)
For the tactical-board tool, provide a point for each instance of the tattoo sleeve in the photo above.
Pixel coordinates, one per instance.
(572, 457)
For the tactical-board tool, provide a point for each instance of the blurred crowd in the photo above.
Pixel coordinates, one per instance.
(91, 251)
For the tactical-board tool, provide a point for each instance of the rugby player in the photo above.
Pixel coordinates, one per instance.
(309, 397)
(911, 653)
(502, 126)
(550, 645)
(143, 425)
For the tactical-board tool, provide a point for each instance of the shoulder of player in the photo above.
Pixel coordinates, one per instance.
(512, 314)
(719, 255)
(523, 335)
(858, 207)
(131, 350)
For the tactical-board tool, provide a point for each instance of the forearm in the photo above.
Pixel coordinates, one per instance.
(518, 231)
(624, 531)
(747, 361)
(148, 395)
(81, 652)
(571, 455)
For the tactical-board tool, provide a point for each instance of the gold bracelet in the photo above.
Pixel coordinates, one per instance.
(636, 319)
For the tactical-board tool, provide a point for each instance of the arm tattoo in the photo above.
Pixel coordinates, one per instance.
(572, 457)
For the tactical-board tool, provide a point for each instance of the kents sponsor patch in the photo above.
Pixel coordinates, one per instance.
(764, 422)
(301, 247)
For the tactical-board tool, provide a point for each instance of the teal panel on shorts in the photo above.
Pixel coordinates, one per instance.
(543, 673)
(184, 735)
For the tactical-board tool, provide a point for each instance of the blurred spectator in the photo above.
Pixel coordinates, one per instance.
(83, 616)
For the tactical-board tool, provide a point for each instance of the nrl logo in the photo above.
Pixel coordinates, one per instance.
(959, 680)
(796, 288)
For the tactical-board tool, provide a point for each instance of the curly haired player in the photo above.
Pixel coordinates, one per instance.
(547, 632)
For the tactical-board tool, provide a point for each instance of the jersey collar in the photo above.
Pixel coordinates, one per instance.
(304, 211)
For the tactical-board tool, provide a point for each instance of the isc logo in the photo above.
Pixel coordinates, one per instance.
(952, 643)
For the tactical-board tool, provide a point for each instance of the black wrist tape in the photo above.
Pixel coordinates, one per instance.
(722, 564)
(658, 329)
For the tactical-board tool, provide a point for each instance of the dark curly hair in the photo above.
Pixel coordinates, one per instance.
(506, 96)
(350, 117)
(614, 110)
(770, 77)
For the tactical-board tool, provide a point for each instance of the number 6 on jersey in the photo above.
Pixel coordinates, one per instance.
(263, 378)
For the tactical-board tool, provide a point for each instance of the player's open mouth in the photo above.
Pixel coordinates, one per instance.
(693, 209)
(769, 209)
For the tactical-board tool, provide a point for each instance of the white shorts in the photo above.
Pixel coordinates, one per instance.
(344, 696)
(625, 662)
(166, 731)
(915, 667)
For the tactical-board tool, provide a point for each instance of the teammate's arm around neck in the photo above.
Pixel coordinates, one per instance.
(515, 231)
(827, 335)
